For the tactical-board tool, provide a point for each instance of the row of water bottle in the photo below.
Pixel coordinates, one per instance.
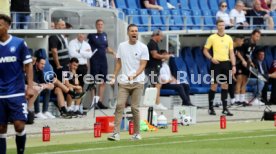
(98, 3)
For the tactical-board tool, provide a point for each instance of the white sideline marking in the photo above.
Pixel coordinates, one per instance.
(165, 143)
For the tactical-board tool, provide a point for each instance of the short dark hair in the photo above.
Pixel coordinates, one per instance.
(6, 18)
(238, 37)
(256, 31)
(99, 20)
(219, 21)
(74, 59)
(38, 59)
(131, 25)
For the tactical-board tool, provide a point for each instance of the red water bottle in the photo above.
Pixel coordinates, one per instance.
(46, 134)
(131, 128)
(174, 125)
(97, 130)
(222, 122)
(275, 119)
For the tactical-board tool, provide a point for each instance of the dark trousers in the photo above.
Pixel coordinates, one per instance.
(183, 91)
(82, 71)
(46, 98)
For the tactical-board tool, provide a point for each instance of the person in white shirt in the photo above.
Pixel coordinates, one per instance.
(223, 15)
(81, 50)
(237, 16)
(132, 57)
(170, 82)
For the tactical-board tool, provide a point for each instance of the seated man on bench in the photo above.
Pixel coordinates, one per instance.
(169, 82)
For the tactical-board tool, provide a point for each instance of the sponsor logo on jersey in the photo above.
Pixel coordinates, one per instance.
(8, 59)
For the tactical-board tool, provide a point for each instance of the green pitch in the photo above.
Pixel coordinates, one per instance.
(239, 137)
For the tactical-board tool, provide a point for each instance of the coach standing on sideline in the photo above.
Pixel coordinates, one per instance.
(15, 58)
(132, 57)
(98, 61)
(223, 54)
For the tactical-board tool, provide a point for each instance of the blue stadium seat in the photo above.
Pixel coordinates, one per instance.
(132, 4)
(189, 23)
(120, 4)
(139, 5)
(184, 4)
(195, 79)
(194, 4)
(231, 4)
(273, 15)
(187, 56)
(203, 5)
(203, 64)
(268, 56)
(133, 17)
(208, 20)
(144, 19)
(197, 19)
(166, 18)
(213, 4)
(156, 20)
(177, 65)
(178, 20)
(163, 3)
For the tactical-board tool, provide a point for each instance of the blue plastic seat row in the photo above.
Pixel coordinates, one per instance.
(178, 4)
(170, 19)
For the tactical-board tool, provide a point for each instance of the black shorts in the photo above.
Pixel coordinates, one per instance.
(220, 72)
(241, 70)
(99, 71)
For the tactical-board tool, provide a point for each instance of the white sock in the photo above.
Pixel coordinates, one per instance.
(233, 100)
(77, 108)
(71, 108)
(237, 97)
(242, 97)
(21, 134)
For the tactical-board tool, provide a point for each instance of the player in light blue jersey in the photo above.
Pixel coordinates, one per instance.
(15, 61)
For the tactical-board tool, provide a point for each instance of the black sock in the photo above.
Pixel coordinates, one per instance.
(211, 97)
(224, 98)
(3, 143)
(20, 143)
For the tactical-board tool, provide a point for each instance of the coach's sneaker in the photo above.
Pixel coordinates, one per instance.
(136, 137)
(49, 115)
(114, 137)
(40, 116)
